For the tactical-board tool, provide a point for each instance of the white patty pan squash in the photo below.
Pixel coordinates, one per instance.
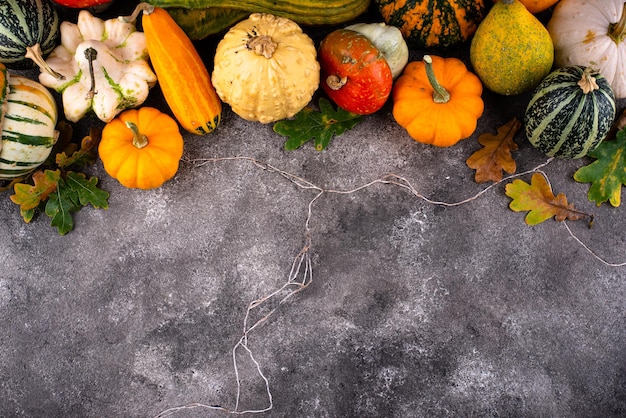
(592, 33)
(266, 68)
(104, 65)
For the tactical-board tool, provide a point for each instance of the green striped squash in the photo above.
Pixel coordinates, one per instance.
(564, 120)
(23, 24)
(28, 128)
(433, 23)
(304, 12)
(4, 91)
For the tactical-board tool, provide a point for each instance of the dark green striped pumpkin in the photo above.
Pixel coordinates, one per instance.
(562, 120)
(433, 23)
(28, 127)
(23, 24)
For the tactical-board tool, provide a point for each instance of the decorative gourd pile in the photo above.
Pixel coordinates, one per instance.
(266, 68)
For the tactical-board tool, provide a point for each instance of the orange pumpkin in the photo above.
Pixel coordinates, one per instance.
(141, 148)
(438, 100)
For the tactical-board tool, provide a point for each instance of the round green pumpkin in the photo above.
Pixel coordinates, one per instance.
(568, 115)
(24, 23)
(433, 23)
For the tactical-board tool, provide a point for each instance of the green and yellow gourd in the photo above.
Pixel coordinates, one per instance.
(570, 113)
(433, 23)
(29, 117)
(201, 18)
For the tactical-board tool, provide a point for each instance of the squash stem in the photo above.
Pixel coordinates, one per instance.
(440, 94)
(90, 55)
(35, 54)
(262, 45)
(617, 30)
(141, 8)
(139, 140)
(335, 82)
(588, 82)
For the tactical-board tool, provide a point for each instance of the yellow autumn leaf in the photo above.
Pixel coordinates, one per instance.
(538, 199)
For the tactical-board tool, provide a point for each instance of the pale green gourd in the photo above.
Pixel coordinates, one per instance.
(389, 41)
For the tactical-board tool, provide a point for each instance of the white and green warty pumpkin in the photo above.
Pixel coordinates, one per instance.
(570, 113)
(28, 121)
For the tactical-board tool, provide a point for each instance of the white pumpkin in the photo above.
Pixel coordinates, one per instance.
(591, 33)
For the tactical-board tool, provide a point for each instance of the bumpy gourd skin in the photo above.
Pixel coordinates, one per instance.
(266, 68)
(511, 51)
(183, 77)
(433, 23)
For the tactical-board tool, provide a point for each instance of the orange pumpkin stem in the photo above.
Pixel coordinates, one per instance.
(139, 140)
(617, 30)
(440, 94)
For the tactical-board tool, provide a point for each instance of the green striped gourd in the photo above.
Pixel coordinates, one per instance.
(570, 113)
(303, 12)
(433, 23)
(23, 25)
(28, 126)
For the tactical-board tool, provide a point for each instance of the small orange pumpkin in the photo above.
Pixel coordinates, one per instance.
(141, 148)
(438, 100)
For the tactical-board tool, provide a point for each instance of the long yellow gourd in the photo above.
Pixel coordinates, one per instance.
(181, 73)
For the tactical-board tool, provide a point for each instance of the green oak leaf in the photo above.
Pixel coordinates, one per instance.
(27, 215)
(86, 190)
(607, 173)
(60, 206)
(59, 192)
(319, 125)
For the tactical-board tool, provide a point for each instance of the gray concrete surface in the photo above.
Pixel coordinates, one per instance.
(411, 309)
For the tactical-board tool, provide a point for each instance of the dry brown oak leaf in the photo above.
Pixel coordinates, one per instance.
(495, 156)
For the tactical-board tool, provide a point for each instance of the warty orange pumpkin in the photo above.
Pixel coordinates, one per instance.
(433, 23)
